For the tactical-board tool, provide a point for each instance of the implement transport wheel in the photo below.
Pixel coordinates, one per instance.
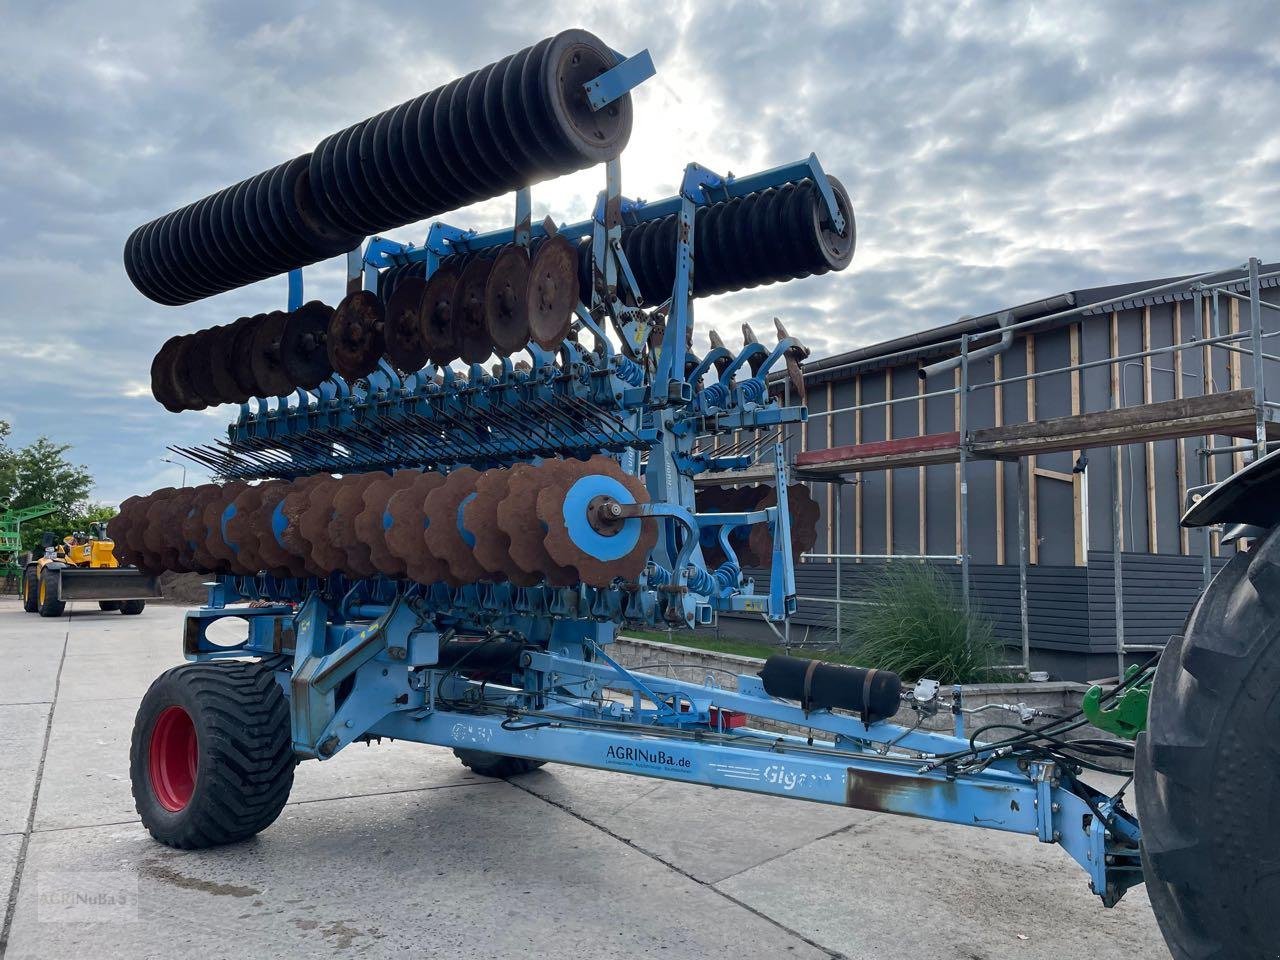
(211, 759)
(1208, 769)
(131, 608)
(31, 589)
(48, 606)
(495, 764)
(108, 604)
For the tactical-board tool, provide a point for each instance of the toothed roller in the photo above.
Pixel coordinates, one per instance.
(446, 536)
(404, 535)
(580, 505)
(348, 502)
(520, 524)
(258, 228)
(492, 548)
(504, 126)
(373, 520)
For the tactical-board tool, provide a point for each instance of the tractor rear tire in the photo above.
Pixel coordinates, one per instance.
(131, 608)
(108, 604)
(496, 764)
(48, 606)
(211, 760)
(1208, 769)
(31, 589)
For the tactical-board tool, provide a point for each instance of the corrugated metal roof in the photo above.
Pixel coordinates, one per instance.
(939, 341)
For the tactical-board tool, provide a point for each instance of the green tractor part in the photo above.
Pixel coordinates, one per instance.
(1127, 717)
(11, 537)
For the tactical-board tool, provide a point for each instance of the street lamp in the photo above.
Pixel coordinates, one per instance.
(177, 463)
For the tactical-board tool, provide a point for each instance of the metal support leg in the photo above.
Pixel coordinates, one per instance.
(837, 551)
(1117, 550)
(1023, 606)
(1255, 341)
(964, 472)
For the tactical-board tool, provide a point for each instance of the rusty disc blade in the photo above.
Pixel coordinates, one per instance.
(446, 536)
(492, 548)
(252, 519)
(322, 555)
(356, 339)
(119, 526)
(435, 316)
(348, 501)
(520, 524)
(506, 309)
(601, 551)
(175, 554)
(372, 521)
(803, 512)
(194, 530)
(304, 353)
(405, 348)
(552, 292)
(287, 524)
(299, 517)
(470, 329)
(152, 539)
(265, 360)
(215, 518)
(275, 559)
(408, 516)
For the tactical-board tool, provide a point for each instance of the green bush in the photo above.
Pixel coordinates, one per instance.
(914, 624)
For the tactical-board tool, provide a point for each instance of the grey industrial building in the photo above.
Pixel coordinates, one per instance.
(1109, 413)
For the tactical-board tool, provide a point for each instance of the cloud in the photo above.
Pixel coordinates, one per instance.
(995, 152)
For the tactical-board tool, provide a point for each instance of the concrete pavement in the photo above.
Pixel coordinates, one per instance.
(398, 849)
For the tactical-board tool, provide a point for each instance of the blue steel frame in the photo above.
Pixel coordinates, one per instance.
(360, 659)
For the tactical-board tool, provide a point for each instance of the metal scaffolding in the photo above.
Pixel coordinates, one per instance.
(1214, 413)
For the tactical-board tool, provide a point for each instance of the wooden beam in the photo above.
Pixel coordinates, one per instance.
(1224, 413)
(1033, 507)
(1153, 527)
(998, 403)
(1180, 460)
(1056, 475)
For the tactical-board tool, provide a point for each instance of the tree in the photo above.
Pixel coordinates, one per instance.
(41, 473)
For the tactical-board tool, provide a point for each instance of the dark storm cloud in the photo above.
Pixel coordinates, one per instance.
(996, 153)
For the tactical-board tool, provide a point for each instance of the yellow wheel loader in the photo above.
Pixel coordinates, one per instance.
(83, 566)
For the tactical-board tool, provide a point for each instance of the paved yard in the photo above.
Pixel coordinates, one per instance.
(398, 850)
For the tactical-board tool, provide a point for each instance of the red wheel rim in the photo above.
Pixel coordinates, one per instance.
(172, 758)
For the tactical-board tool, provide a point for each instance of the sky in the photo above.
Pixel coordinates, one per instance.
(994, 152)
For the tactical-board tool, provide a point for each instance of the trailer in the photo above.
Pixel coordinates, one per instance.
(442, 498)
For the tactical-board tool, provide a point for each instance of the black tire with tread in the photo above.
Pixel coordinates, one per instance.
(245, 767)
(131, 608)
(496, 764)
(48, 606)
(31, 589)
(1208, 769)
